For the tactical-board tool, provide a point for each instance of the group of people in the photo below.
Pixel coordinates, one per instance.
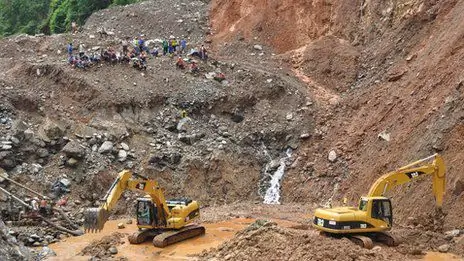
(82, 60)
(136, 52)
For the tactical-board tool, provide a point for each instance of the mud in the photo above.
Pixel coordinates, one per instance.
(92, 244)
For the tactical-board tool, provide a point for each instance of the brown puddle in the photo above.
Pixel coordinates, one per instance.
(216, 233)
(434, 256)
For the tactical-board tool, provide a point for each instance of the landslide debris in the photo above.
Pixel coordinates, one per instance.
(264, 240)
(10, 248)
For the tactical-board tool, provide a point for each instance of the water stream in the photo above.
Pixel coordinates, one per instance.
(272, 195)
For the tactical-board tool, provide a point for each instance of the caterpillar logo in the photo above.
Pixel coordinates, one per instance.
(140, 186)
(414, 174)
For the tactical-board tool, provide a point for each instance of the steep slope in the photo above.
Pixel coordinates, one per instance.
(393, 66)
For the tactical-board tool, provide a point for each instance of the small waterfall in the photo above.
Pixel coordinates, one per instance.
(272, 195)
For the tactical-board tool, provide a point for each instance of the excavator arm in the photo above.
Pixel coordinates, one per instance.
(95, 218)
(411, 171)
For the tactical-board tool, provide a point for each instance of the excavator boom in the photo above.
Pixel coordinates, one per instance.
(411, 171)
(95, 218)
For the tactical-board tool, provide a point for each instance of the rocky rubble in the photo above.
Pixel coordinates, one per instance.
(10, 248)
(105, 248)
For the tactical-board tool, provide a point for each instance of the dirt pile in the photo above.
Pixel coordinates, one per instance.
(264, 240)
(105, 248)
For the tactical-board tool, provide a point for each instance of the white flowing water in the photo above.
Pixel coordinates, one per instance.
(272, 195)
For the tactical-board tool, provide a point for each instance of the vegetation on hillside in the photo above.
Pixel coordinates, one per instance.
(48, 16)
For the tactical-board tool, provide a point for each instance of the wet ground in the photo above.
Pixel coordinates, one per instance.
(216, 233)
(432, 256)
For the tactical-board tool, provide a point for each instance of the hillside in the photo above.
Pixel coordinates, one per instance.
(391, 67)
(377, 83)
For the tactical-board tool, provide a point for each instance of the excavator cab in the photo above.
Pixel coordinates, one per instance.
(147, 216)
(378, 208)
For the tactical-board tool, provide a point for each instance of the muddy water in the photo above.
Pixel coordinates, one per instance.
(216, 233)
(433, 256)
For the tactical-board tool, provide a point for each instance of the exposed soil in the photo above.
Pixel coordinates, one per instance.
(311, 76)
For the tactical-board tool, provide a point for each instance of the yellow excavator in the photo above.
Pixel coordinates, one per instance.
(374, 217)
(166, 221)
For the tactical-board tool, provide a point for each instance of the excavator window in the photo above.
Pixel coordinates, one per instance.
(381, 209)
(363, 205)
(144, 213)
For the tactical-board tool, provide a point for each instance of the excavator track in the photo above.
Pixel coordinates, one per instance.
(387, 239)
(143, 235)
(362, 241)
(173, 236)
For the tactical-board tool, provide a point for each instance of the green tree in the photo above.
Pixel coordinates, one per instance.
(48, 16)
(22, 16)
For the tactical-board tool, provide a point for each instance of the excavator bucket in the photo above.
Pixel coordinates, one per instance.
(95, 219)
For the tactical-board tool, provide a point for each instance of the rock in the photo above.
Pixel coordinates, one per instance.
(305, 136)
(42, 153)
(7, 147)
(36, 244)
(384, 135)
(332, 156)
(289, 116)
(106, 147)
(52, 130)
(65, 182)
(36, 168)
(452, 233)
(274, 164)
(129, 221)
(210, 75)
(3, 175)
(444, 248)
(113, 250)
(28, 134)
(72, 162)
(122, 155)
(14, 140)
(46, 252)
(458, 187)
(377, 248)
(258, 47)
(35, 237)
(20, 127)
(124, 146)
(49, 238)
(73, 150)
(395, 76)
(293, 144)
(411, 57)
(121, 226)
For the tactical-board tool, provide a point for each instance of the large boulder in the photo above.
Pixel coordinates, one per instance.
(51, 130)
(74, 150)
(106, 147)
